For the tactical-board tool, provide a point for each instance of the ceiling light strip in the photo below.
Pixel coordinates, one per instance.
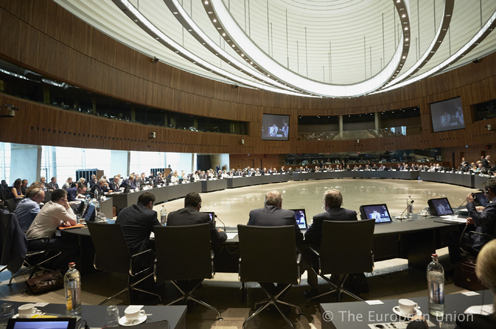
(186, 21)
(127, 8)
(433, 47)
(471, 44)
(223, 21)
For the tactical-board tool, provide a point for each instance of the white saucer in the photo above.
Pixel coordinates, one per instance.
(397, 311)
(126, 323)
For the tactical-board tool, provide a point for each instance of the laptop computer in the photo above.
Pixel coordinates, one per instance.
(480, 199)
(301, 218)
(42, 323)
(211, 214)
(89, 214)
(378, 212)
(440, 207)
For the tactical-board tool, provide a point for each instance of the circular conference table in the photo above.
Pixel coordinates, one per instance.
(414, 239)
(171, 192)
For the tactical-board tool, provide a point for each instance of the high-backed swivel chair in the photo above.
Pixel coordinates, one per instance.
(269, 254)
(346, 248)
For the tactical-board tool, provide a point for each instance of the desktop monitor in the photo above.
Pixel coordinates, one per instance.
(301, 218)
(48, 323)
(80, 209)
(89, 215)
(127, 189)
(378, 212)
(440, 207)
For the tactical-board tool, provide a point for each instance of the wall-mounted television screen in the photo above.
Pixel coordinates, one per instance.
(447, 115)
(275, 127)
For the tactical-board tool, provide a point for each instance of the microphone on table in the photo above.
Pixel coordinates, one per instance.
(220, 221)
(409, 202)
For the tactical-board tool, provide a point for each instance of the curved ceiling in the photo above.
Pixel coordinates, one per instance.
(311, 48)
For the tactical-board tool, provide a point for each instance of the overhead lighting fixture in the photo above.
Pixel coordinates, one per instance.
(269, 66)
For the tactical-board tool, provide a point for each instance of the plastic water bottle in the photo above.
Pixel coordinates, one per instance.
(435, 282)
(163, 215)
(72, 286)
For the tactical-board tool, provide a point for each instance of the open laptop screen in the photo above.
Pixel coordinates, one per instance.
(211, 214)
(301, 218)
(440, 207)
(480, 199)
(377, 212)
(89, 215)
(52, 323)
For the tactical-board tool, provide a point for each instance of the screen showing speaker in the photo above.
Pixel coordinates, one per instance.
(447, 115)
(275, 127)
(378, 212)
(440, 207)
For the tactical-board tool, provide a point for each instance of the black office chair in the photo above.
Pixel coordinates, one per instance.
(346, 248)
(268, 254)
(11, 204)
(112, 254)
(184, 253)
(13, 249)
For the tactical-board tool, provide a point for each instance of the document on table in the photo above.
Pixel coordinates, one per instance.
(231, 236)
(454, 219)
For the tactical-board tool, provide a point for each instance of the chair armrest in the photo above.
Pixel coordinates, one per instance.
(148, 251)
(298, 259)
(315, 251)
(479, 233)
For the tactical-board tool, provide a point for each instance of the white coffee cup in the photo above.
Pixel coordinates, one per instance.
(133, 313)
(27, 310)
(407, 307)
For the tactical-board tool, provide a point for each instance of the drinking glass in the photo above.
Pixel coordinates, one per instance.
(112, 318)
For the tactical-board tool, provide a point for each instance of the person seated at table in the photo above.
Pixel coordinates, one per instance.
(114, 186)
(56, 212)
(159, 179)
(16, 189)
(142, 179)
(4, 185)
(151, 177)
(24, 186)
(272, 214)
(93, 181)
(29, 207)
(137, 222)
(68, 184)
(101, 187)
(129, 182)
(191, 215)
(485, 269)
(74, 193)
(44, 183)
(483, 221)
(174, 178)
(333, 200)
(282, 171)
(53, 184)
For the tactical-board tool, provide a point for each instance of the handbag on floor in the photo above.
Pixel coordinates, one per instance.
(46, 282)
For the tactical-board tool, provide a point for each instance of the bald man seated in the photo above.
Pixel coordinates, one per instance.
(272, 214)
(333, 199)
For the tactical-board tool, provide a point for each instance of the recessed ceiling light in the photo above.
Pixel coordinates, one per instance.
(403, 15)
(223, 34)
(210, 12)
(215, 20)
(233, 46)
(407, 39)
(404, 57)
(242, 55)
(406, 28)
(175, 12)
(206, 2)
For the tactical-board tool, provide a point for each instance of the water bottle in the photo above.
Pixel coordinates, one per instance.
(72, 287)
(435, 282)
(163, 215)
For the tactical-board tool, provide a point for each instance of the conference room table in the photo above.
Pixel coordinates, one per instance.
(467, 180)
(373, 314)
(409, 175)
(95, 314)
(414, 239)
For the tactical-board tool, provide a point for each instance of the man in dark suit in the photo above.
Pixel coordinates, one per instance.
(129, 182)
(332, 204)
(191, 215)
(114, 186)
(53, 184)
(137, 222)
(74, 193)
(101, 187)
(272, 214)
(333, 199)
(484, 222)
(486, 163)
(93, 181)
